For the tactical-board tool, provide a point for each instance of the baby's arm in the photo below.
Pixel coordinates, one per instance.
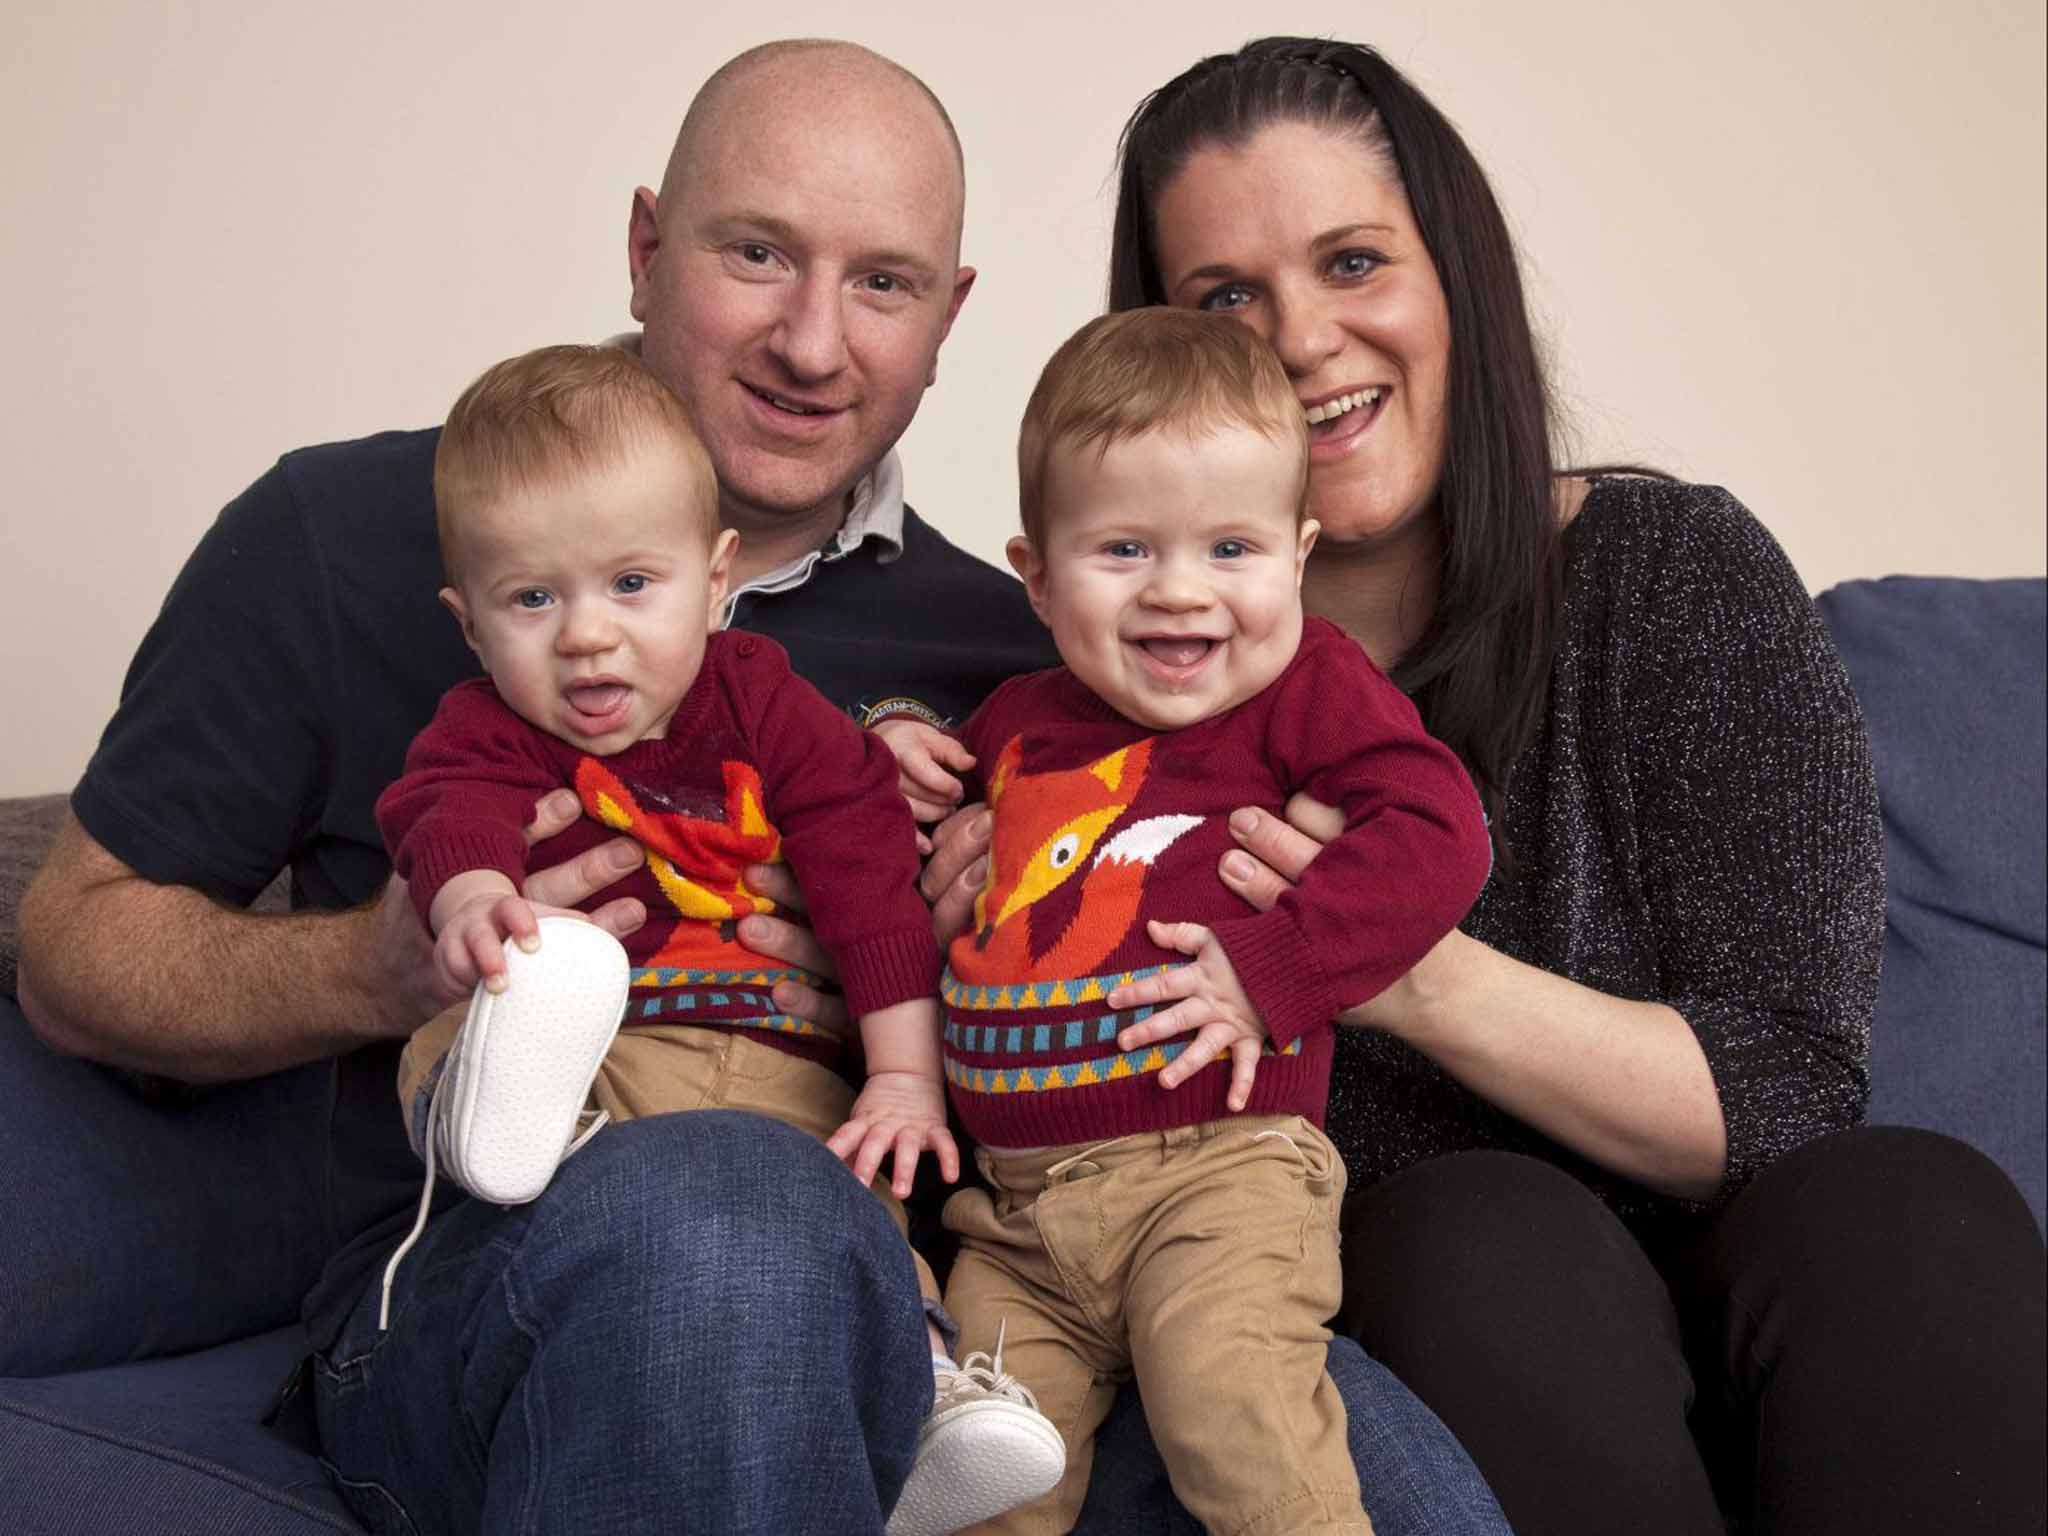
(1205, 997)
(902, 1108)
(926, 761)
(473, 914)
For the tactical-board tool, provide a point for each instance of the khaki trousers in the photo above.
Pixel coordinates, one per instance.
(660, 1069)
(1204, 1261)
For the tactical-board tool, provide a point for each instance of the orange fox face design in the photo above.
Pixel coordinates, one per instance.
(714, 851)
(1050, 828)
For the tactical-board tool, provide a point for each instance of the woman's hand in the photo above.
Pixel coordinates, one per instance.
(957, 870)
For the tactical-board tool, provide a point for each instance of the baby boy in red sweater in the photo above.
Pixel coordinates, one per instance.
(578, 519)
(1144, 1062)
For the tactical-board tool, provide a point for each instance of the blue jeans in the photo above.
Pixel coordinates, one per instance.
(706, 1324)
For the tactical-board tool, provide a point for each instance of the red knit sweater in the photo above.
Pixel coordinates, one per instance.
(1101, 824)
(756, 765)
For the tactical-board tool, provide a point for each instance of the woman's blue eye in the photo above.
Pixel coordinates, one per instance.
(531, 597)
(1229, 549)
(1355, 264)
(1229, 296)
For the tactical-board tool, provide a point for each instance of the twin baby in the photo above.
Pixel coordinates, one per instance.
(1141, 1060)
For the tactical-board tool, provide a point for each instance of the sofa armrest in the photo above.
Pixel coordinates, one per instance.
(27, 825)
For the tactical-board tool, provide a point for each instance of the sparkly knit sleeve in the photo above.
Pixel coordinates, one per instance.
(1754, 810)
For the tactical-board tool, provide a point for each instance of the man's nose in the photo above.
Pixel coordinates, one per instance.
(810, 338)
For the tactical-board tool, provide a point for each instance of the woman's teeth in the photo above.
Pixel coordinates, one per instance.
(1330, 410)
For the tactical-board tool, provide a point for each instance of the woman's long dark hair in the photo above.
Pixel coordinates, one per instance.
(1479, 673)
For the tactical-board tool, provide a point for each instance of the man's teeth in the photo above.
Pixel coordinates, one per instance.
(789, 405)
(1330, 410)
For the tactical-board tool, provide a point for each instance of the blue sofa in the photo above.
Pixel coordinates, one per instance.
(154, 1244)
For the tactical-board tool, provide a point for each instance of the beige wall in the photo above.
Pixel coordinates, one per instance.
(1796, 249)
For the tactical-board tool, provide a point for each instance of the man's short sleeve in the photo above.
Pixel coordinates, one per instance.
(204, 774)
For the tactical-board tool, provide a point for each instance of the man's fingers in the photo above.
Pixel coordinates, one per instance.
(791, 943)
(824, 1009)
(573, 883)
(555, 811)
(777, 882)
(619, 918)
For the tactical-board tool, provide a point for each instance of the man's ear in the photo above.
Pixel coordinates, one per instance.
(1309, 529)
(719, 576)
(643, 244)
(963, 283)
(1026, 561)
(452, 601)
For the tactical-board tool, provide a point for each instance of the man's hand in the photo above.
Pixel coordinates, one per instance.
(898, 1115)
(783, 936)
(1206, 997)
(402, 957)
(926, 761)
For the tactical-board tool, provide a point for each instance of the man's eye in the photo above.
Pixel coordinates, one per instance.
(630, 583)
(1229, 296)
(531, 597)
(1229, 549)
(883, 282)
(753, 253)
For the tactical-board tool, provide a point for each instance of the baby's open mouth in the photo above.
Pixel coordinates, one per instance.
(1177, 650)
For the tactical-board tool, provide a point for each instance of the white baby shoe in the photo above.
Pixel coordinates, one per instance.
(984, 1448)
(507, 1106)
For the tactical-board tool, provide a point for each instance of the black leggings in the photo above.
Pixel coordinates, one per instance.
(1855, 1344)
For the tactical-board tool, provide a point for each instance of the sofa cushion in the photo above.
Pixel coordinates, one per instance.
(166, 1448)
(1953, 679)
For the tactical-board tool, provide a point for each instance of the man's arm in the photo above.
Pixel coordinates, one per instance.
(159, 978)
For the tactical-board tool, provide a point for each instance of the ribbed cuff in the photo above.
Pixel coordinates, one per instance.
(1279, 973)
(433, 865)
(891, 968)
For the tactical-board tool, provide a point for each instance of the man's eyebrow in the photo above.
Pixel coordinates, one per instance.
(742, 221)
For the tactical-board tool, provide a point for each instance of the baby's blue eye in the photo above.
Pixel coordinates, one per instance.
(1125, 549)
(630, 583)
(531, 597)
(1229, 549)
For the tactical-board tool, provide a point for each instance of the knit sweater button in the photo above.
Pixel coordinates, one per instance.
(748, 645)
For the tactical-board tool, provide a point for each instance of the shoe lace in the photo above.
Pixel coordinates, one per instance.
(597, 1121)
(983, 1375)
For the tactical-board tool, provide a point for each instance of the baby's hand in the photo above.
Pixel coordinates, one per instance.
(924, 754)
(1207, 998)
(901, 1113)
(471, 944)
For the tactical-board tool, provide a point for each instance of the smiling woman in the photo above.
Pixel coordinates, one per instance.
(1603, 1140)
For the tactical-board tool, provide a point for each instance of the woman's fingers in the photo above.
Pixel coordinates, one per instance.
(954, 909)
(791, 943)
(959, 840)
(827, 1010)
(778, 883)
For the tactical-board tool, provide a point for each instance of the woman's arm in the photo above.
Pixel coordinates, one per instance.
(1625, 1084)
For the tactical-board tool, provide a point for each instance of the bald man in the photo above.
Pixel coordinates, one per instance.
(700, 1319)
(702, 1324)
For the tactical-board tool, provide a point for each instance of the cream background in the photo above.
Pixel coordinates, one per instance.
(1795, 249)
